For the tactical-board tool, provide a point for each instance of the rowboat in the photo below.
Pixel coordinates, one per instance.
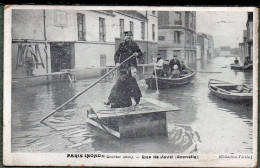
(242, 68)
(230, 91)
(164, 83)
(146, 119)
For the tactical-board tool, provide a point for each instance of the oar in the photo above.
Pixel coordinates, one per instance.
(93, 84)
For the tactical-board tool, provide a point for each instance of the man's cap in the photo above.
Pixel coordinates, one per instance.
(158, 54)
(174, 55)
(128, 33)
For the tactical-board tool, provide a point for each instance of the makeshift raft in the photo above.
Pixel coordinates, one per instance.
(146, 119)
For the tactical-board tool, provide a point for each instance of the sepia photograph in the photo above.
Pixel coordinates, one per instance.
(113, 86)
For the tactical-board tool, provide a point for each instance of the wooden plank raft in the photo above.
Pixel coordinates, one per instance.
(146, 119)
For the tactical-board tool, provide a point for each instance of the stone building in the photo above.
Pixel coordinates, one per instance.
(205, 46)
(79, 39)
(177, 34)
(246, 47)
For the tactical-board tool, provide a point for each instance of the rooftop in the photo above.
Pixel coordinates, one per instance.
(132, 13)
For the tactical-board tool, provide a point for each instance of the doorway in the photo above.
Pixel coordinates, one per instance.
(62, 56)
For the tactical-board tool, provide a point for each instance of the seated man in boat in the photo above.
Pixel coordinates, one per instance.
(183, 67)
(166, 69)
(246, 61)
(125, 88)
(173, 62)
(175, 73)
(236, 61)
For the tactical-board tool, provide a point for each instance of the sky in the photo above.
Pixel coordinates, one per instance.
(225, 27)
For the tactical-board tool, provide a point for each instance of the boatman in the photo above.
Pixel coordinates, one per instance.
(124, 51)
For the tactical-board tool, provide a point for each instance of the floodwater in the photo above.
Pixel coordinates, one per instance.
(205, 124)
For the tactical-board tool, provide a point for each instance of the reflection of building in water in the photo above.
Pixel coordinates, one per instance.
(246, 47)
(177, 35)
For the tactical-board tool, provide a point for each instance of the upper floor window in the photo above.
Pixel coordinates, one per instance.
(132, 27)
(102, 30)
(61, 19)
(161, 38)
(122, 27)
(143, 30)
(177, 20)
(177, 37)
(81, 27)
(188, 38)
(190, 20)
(153, 31)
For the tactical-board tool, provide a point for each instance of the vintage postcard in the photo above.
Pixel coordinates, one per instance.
(130, 86)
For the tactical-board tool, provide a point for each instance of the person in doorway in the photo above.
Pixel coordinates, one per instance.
(125, 88)
(29, 62)
(174, 61)
(124, 51)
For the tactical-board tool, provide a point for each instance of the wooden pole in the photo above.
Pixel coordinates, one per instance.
(90, 86)
(45, 39)
(156, 80)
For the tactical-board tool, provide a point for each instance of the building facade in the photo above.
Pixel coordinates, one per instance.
(79, 39)
(177, 35)
(246, 47)
(205, 44)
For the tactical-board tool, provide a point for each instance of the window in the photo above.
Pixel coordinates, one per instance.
(81, 27)
(177, 37)
(153, 31)
(161, 38)
(143, 30)
(178, 18)
(61, 19)
(190, 20)
(102, 30)
(132, 27)
(122, 27)
(187, 38)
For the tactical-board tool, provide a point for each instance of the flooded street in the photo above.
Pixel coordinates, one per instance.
(205, 124)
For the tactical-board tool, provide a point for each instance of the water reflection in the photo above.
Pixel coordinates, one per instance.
(204, 123)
